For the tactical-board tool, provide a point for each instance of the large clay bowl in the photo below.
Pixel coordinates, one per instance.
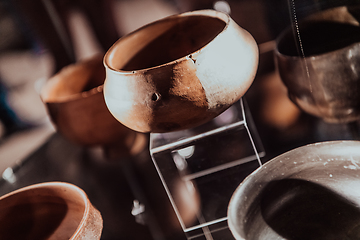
(75, 101)
(179, 72)
(52, 211)
(322, 71)
(311, 192)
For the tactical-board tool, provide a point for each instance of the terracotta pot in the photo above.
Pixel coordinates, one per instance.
(52, 210)
(75, 102)
(311, 192)
(322, 72)
(179, 72)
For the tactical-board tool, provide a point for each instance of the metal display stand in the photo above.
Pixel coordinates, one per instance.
(200, 169)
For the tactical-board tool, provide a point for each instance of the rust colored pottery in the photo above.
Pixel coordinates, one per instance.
(75, 102)
(311, 192)
(53, 210)
(179, 72)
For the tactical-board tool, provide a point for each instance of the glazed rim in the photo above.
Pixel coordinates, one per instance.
(59, 185)
(122, 45)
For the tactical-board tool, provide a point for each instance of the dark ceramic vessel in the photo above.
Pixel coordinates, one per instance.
(320, 65)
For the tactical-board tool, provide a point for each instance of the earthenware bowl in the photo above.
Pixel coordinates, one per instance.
(179, 72)
(321, 65)
(310, 192)
(52, 210)
(75, 102)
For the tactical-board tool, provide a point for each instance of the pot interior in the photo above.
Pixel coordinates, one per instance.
(318, 37)
(40, 214)
(164, 41)
(300, 209)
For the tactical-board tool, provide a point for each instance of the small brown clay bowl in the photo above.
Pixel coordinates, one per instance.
(179, 72)
(311, 192)
(75, 101)
(53, 210)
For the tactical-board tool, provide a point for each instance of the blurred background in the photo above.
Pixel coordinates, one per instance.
(38, 38)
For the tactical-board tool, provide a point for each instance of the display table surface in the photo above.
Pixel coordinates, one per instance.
(112, 186)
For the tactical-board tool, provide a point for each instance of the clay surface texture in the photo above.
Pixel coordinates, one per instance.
(179, 72)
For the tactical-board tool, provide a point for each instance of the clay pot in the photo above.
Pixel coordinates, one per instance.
(322, 72)
(179, 72)
(52, 210)
(75, 102)
(311, 192)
